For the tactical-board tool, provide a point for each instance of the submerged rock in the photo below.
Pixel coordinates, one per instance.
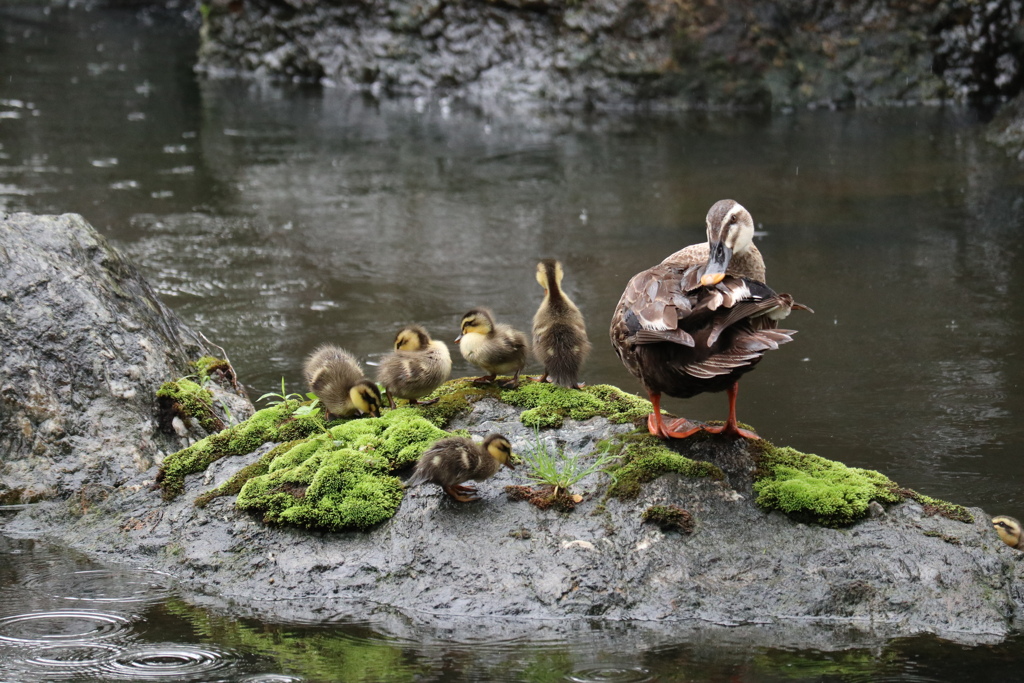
(86, 345)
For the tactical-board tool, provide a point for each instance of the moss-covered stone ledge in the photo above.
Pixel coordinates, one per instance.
(342, 476)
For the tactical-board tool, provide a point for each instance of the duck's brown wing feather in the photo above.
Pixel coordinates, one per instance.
(714, 334)
(653, 304)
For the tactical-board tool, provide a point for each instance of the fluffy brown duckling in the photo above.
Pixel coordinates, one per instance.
(1009, 530)
(455, 459)
(496, 348)
(417, 366)
(701, 319)
(333, 374)
(560, 341)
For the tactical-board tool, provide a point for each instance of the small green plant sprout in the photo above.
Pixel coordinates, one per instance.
(311, 409)
(559, 470)
(283, 397)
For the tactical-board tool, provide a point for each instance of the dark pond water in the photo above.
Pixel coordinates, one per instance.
(276, 217)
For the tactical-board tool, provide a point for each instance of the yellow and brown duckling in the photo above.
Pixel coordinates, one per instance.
(333, 374)
(1009, 530)
(496, 348)
(560, 341)
(417, 366)
(455, 459)
(701, 319)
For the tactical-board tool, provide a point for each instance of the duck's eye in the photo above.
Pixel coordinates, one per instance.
(732, 219)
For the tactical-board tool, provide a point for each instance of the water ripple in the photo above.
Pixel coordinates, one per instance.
(104, 585)
(66, 661)
(62, 626)
(610, 675)
(167, 660)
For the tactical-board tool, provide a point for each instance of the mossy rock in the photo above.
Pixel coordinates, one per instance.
(644, 458)
(823, 491)
(270, 424)
(548, 405)
(332, 490)
(830, 493)
(451, 399)
(193, 401)
(342, 480)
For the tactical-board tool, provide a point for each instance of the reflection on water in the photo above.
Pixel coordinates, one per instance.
(276, 217)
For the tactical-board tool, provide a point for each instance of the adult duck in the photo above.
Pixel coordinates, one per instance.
(700, 320)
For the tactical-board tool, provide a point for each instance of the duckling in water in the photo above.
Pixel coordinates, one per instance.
(496, 348)
(560, 341)
(456, 459)
(417, 366)
(1009, 530)
(337, 380)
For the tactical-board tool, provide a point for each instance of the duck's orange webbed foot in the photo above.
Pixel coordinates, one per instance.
(679, 428)
(732, 430)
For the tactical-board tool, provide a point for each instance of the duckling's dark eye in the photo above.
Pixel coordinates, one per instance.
(732, 219)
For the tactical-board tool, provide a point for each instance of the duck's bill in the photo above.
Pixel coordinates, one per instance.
(718, 263)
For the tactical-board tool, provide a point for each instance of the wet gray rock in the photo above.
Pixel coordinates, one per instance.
(86, 343)
(509, 564)
(616, 53)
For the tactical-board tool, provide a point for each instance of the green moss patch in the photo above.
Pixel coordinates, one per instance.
(824, 491)
(453, 398)
(190, 400)
(830, 493)
(341, 480)
(233, 485)
(548, 405)
(669, 517)
(270, 424)
(645, 458)
(333, 489)
(943, 508)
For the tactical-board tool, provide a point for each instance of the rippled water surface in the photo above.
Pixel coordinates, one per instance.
(275, 217)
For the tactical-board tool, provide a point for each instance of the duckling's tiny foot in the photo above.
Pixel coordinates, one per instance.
(483, 380)
(459, 496)
(464, 489)
(509, 384)
(542, 378)
(424, 403)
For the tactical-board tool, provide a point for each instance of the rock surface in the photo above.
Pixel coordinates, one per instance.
(898, 573)
(86, 344)
(613, 53)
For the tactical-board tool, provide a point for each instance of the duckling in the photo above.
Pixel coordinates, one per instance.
(337, 380)
(496, 348)
(1009, 530)
(701, 319)
(455, 459)
(417, 367)
(560, 341)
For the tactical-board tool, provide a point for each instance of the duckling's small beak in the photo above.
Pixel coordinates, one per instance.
(508, 464)
(718, 263)
(458, 339)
